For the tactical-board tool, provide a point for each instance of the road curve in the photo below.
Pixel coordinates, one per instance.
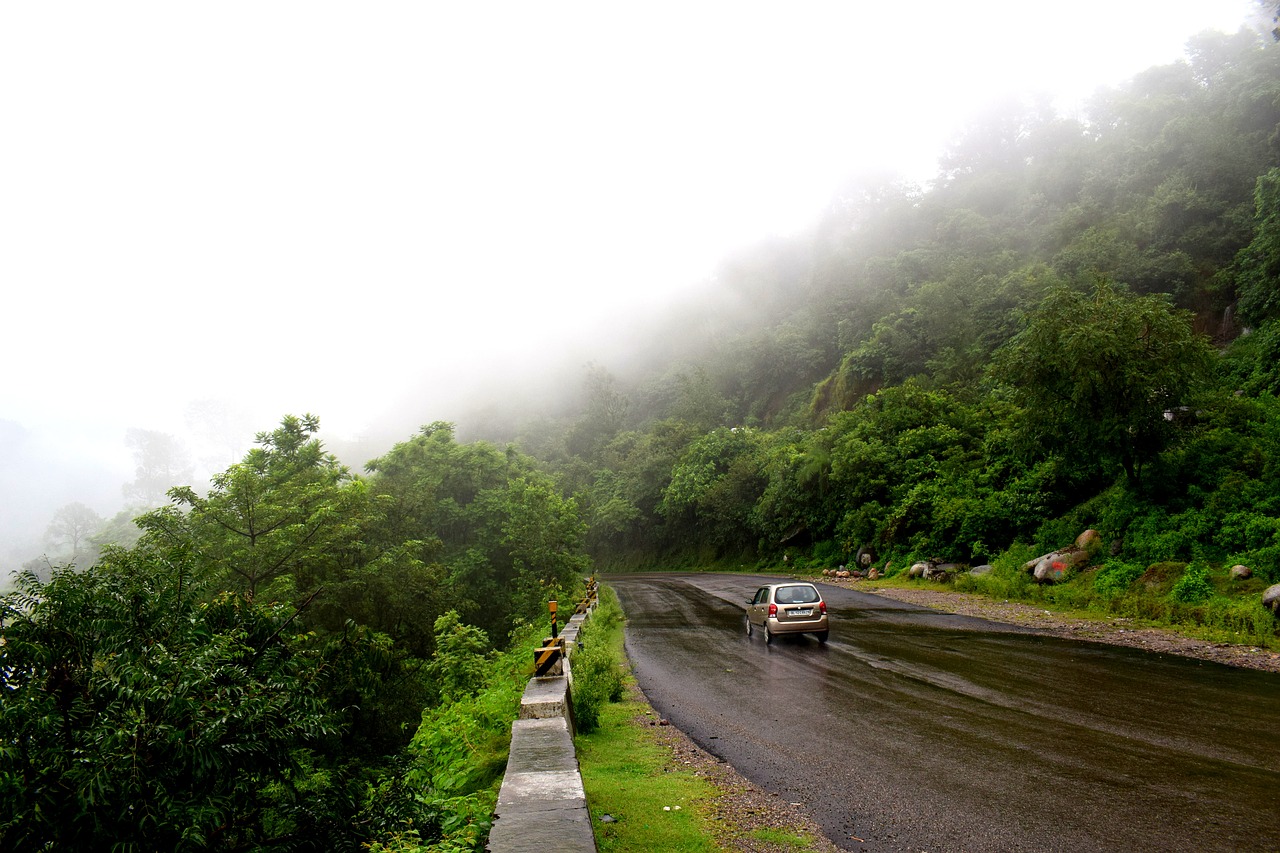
(918, 730)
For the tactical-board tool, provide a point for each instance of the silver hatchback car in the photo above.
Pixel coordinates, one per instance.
(788, 608)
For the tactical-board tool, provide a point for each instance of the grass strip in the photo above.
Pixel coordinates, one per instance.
(638, 802)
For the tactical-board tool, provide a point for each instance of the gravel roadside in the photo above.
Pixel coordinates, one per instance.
(1117, 631)
(742, 808)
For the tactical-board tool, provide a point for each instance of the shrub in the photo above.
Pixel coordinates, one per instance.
(458, 754)
(1115, 577)
(137, 711)
(596, 679)
(597, 672)
(1157, 537)
(1193, 586)
(825, 553)
(1265, 563)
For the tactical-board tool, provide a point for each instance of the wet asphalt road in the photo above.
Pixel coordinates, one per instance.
(915, 730)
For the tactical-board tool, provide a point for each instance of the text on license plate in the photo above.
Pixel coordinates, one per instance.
(808, 611)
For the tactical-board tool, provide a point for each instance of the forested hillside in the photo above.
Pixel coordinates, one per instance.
(298, 657)
(1077, 326)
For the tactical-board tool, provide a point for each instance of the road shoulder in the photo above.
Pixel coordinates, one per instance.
(1116, 631)
(748, 819)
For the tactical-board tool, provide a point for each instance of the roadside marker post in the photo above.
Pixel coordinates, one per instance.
(590, 599)
(548, 658)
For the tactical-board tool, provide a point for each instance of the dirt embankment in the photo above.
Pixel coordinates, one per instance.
(1117, 631)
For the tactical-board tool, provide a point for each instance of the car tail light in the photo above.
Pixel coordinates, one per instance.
(822, 608)
(773, 611)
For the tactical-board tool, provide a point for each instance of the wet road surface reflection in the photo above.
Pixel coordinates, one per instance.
(916, 730)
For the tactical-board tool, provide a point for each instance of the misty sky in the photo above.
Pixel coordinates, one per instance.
(316, 207)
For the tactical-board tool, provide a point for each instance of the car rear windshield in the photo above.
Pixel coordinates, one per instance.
(796, 595)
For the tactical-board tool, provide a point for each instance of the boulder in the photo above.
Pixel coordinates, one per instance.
(1271, 598)
(1241, 573)
(1056, 565)
(1090, 541)
(984, 569)
(941, 571)
(918, 570)
(872, 574)
(865, 557)
(1049, 570)
(1052, 568)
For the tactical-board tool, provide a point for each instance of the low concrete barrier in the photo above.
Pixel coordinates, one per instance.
(542, 806)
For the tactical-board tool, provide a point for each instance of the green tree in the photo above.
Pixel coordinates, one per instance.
(461, 657)
(162, 463)
(1099, 373)
(71, 532)
(499, 530)
(1257, 266)
(140, 714)
(543, 535)
(289, 514)
(714, 490)
(604, 414)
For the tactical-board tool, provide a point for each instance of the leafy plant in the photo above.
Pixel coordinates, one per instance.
(1194, 586)
(1115, 578)
(135, 710)
(597, 671)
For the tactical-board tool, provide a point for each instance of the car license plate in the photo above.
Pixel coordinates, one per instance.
(808, 611)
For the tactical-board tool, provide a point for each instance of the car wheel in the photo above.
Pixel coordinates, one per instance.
(822, 636)
(768, 635)
(748, 626)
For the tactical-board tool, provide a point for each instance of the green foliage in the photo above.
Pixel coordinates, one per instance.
(135, 711)
(501, 537)
(457, 756)
(1193, 587)
(715, 487)
(1258, 265)
(1097, 372)
(461, 659)
(597, 671)
(542, 533)
(279, 522)
(1252, 363)
(596, 680)
(1115, 577)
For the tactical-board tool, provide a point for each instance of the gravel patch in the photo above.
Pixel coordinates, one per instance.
(1117, 631)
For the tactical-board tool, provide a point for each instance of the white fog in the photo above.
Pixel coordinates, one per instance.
(216, 215)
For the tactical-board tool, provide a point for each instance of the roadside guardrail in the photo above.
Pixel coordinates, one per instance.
(542, 805)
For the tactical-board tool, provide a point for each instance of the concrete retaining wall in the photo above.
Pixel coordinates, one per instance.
(542, 806)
